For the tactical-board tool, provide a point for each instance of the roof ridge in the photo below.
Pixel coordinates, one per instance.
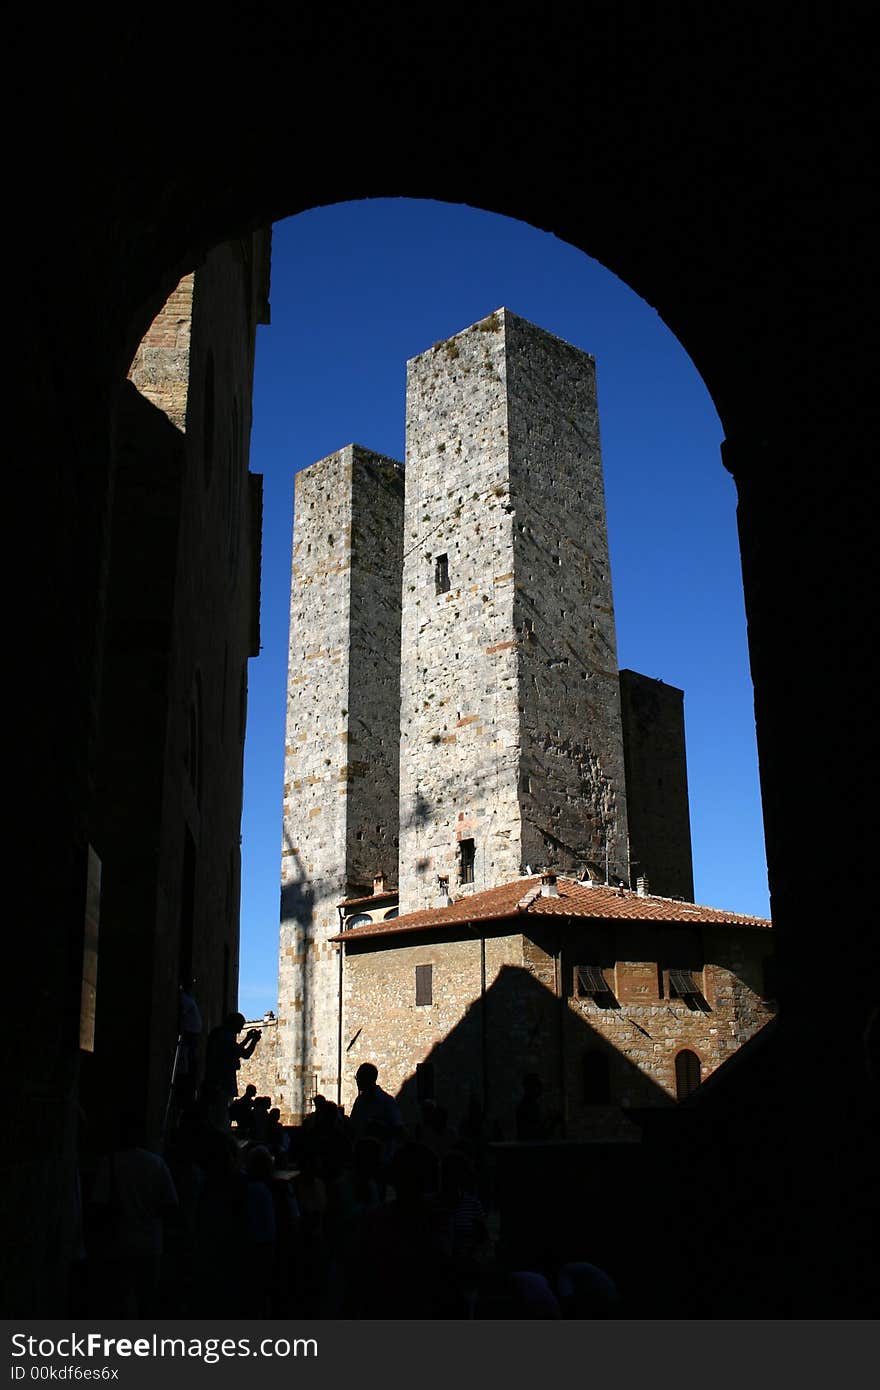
(527, 900)
(661, 898)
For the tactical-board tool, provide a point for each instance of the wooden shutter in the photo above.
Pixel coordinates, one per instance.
(424, 984)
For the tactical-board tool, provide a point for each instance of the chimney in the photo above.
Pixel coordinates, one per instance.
(549, 887)
(443, 898)
(642, 887)
(378, 884)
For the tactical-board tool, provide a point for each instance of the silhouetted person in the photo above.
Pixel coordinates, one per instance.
(133, 1192)
(312, 1119)
(375, 1112)
(276, 1134)
(534, 1296)
(260, 1118)
(435, 1131)
(585, 1291)
(241, 1111)
(400, 1265)
(224, 1057)
(221, 1235)
(531, 1120)
(260, 1233)
(462, 1229)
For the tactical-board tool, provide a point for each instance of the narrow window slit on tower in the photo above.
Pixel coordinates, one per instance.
(441, 574)
(467, 853)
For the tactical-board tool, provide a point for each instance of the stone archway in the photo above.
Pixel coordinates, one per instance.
(691, 156)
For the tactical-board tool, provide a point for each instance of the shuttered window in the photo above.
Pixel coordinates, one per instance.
(687, 1073)
(682, 983)
(424, 984)
(591, 980)
(590, 983)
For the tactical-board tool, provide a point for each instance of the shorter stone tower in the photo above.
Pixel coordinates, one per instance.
(341, 753)
(656, 786)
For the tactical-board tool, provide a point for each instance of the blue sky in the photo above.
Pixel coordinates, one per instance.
(357, 288)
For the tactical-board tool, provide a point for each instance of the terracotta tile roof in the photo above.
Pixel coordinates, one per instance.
(522, 898)
(369, 898)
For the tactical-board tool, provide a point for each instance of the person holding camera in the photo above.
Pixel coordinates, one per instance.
(224, 1057)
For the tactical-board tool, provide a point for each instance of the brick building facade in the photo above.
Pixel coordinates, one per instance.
(620, 1002)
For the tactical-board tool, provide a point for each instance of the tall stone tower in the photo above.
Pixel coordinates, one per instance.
(511, 742)
(340, 820)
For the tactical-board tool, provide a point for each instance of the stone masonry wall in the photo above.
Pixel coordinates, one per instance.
(656, 785)
(510, 716)
(261, 1068)
(536, 1022)
(340, 780)
(373, 765)
(459, 729)
(384, 1025)
(160, 369)
(572, 787)
(647, 1028)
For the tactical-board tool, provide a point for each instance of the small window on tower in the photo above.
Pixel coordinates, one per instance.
(467, 853)
(441, 574)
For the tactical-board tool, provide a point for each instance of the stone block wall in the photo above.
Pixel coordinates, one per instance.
(656, 785)
(572, 789)
(459, 722)
(643, 1027)
(383, 1024)
(504, 1004)
(261, 1068)
(160, 369)
(510, 717)
(341, 755)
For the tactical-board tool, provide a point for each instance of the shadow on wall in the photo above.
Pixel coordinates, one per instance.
(297, 895)
(561, 1199)
(297, 907)
(620, 1196)
(515, 1028)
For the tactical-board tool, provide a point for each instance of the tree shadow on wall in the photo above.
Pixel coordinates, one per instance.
(297, 894)
(297, 910)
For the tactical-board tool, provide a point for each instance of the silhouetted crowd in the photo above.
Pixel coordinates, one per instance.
(343, 1216)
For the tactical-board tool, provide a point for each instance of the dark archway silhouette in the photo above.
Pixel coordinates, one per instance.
(703, 169)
